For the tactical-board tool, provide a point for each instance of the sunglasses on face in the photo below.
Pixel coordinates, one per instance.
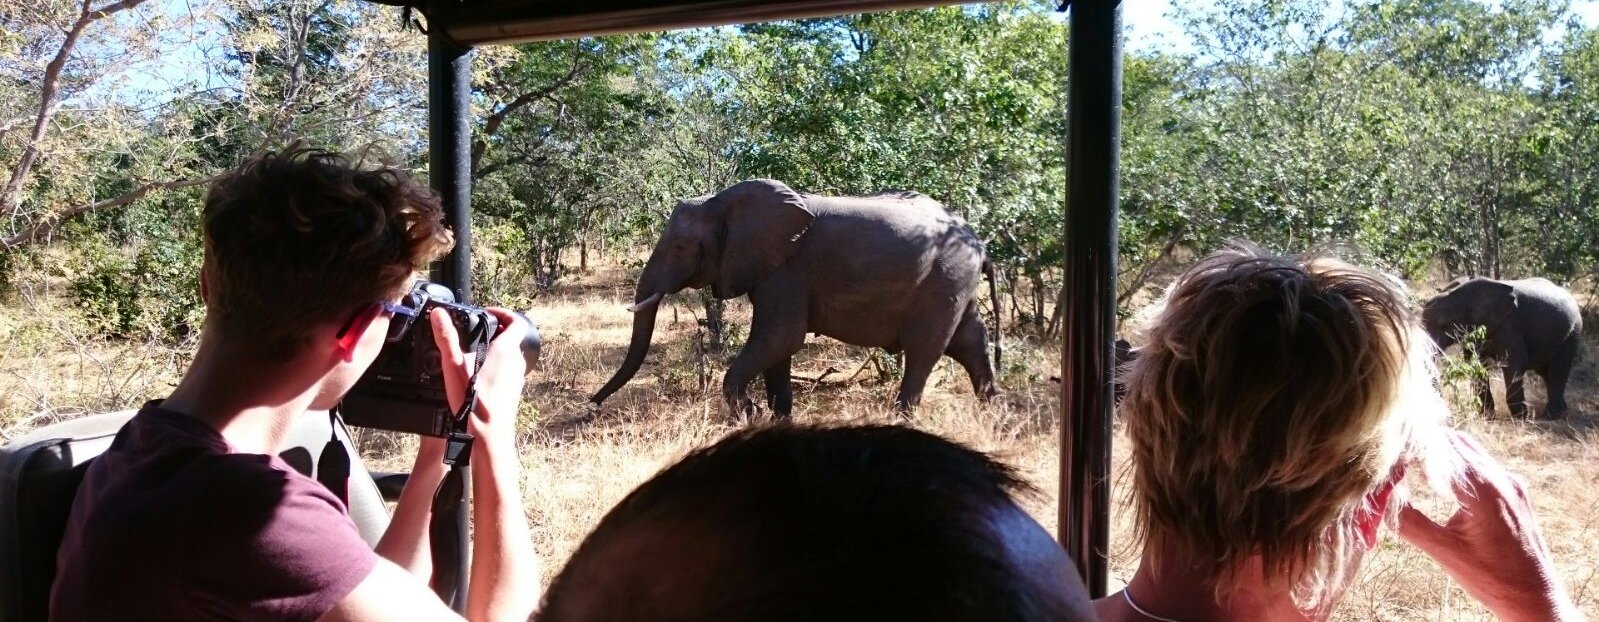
(400, 319)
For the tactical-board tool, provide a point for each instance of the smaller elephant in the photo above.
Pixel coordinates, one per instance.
(1531, 324)
(1124, 355)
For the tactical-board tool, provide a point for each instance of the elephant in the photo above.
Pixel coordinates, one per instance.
(1123, 354)
(1531, 324)
(893, 270)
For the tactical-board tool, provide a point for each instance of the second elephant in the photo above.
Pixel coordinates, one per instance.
(1530, 324)
(892, 270)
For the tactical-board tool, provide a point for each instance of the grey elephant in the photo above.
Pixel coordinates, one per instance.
(893, 270)
(1531, 324)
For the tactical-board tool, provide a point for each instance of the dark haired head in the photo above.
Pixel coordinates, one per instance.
(304, 237)
(821, 523)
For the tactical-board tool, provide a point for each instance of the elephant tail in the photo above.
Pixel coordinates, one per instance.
(993, 299)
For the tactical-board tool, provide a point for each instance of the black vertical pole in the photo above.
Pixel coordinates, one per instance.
(449, 168)
(450, 153)
(1094, 127)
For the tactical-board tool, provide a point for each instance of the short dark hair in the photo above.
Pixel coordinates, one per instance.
(305, 236)
(816, 523)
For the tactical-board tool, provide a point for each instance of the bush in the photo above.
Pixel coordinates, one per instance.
(1461, 373)
(1023, 363)
(502, 273)
(152, 294)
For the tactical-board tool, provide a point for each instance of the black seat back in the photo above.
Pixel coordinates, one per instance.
(40, 473)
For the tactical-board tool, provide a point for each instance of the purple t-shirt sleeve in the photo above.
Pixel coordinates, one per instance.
(279, 546)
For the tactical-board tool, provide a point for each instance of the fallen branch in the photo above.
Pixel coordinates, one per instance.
(869, 360)
(817, 380)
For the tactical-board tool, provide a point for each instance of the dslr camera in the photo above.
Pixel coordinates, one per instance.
(403, 390)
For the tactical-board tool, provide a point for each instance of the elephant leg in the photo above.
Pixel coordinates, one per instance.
(1515, 396)
(1485, 393)
(780, 388)
(969, 347)
(918, 366)
(924, 337)
(1555, 377)
(776, 332)
(1485, 396)
(1554, 380)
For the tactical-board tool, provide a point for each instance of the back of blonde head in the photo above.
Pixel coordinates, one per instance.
(1271, 396)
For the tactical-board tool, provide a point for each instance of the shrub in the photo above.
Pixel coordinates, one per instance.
(151, 293)
(1461, 373)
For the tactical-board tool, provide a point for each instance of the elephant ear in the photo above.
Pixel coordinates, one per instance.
(1498, 300)
(764, 222)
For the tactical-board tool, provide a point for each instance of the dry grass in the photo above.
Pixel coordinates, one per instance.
(582, 460)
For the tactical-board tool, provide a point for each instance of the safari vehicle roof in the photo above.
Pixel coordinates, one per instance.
(1093, 104)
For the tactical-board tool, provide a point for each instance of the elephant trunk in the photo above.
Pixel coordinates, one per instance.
(643, 329)
(1441, 333)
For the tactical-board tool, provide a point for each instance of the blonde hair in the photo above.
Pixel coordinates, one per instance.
(1272, 395)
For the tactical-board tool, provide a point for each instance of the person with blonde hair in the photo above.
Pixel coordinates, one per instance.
(1275, 410)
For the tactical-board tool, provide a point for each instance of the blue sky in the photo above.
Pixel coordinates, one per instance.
(1149, 24)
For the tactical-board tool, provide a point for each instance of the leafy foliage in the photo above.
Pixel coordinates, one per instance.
(1441, 136)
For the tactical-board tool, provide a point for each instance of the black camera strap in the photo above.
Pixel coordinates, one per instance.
(333, 466)
(447, 533)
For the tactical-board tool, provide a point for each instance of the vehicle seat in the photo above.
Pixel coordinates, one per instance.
(40, 473)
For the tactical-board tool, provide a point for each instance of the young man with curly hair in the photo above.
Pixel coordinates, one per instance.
(191, 514)
(1275, 411)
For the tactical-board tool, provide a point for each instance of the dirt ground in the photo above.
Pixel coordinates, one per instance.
(581, 460)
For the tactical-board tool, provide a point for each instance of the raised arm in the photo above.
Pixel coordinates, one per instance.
(504, 576)
(1492, 545)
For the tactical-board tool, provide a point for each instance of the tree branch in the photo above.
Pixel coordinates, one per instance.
(1148, 269)
(49, 87)
(46, 225)
(492, 124)
(519, 159)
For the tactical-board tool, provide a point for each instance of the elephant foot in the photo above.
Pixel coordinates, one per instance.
(1551, 416)
(743, 409)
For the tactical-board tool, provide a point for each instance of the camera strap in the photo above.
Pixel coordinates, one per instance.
(333, 466)
(447, 534)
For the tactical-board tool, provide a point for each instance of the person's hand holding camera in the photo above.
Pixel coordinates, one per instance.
(504, 567)
(1492, 545)
(499, 384)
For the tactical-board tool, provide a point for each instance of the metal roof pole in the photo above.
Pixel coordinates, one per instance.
(450, 173)
(450, 152)
(1094, 129)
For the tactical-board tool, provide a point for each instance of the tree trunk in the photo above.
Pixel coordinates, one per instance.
(715, 325)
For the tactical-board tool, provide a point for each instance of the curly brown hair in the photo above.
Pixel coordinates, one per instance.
(306, 236)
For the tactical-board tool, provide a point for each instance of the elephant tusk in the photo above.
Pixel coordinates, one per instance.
(646, 303)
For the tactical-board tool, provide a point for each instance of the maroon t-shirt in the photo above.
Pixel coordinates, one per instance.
(169, 525)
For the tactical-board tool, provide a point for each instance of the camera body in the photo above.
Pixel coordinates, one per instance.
(403, 390)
